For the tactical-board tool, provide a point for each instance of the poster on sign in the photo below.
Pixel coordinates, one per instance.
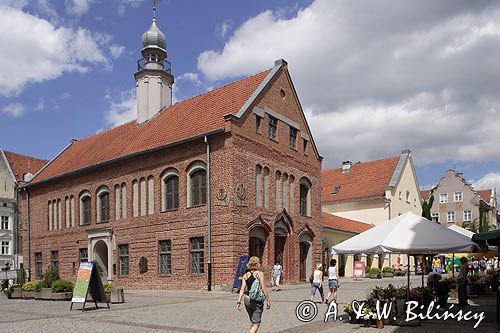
(88, 280)
(359, 270)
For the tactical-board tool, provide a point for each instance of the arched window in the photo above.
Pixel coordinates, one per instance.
(72, 210)
(292, 193)
(103, 205)
(258, 181)
(197, 185)
(135, 198)
(170, 190)
(50, 216)
(124, 200)
(59, 214)
(151, 195)
(118, 203)
(266, 187)
(305, 197)
(67, 211)
(142, 182)
(285, 190)
(85, 208)
(278, 190)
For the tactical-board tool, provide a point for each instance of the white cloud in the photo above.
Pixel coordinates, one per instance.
(190, 77)
(116, 50)
(488, 181)
(121, 109)
(77, 7)
(224, 28)
(40, 106)
(38, 50)
(376, 78)
(15, 110)
(124, 3)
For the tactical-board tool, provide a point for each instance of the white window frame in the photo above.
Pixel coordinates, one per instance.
(443, 198)
(199, 165)
(470, 215)
(103, 190)
(459, 199)
(450, 214)
(3, 220)
(83, 195)
(435, 215)
(166, 175)
(407, 195)
(5, 248)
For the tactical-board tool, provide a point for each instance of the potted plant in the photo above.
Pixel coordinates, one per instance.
(375, 273)
(350, 312)
(108, 287)
(387, 272)
(27, 289)
(62, 290)
(37, 293)
(400, 294)
(51, 275)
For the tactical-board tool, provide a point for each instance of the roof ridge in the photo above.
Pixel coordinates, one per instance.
(361, 163)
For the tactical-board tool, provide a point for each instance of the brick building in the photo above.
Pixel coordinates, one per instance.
(138, 198)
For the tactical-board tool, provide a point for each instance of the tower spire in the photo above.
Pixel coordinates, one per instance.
(154, 8)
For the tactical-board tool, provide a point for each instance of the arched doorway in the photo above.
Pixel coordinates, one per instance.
(305, 265)
(257, 242)
(280, 235)
(101, 259)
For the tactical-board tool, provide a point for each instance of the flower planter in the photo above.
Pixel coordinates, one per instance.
(46, 293)
(37, 294)
(16, 293)
(388, 275)
(27, 294)
(375, 276)
(108, 297)
(117, 296)
(352, 318)
(66, 296)
(380, 323)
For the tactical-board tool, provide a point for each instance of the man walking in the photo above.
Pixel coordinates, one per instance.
(277, 271)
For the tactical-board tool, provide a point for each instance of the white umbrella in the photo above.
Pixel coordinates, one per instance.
(408, 233)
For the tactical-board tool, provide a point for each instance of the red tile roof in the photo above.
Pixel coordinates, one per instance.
(485, 195)
(365, 180)
(183, 120)
(22, 164)
(343, 224)
(425, 194)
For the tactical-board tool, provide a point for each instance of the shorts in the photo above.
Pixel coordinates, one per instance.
(333, 284)
(254, 310)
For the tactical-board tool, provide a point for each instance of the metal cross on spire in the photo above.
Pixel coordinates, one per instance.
(154, 7)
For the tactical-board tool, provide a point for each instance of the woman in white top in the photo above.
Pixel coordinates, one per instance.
(333, 280)
(317, 280)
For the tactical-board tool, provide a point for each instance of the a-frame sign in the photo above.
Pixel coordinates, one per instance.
(88, 280)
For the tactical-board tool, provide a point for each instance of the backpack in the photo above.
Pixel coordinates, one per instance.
(255, 293)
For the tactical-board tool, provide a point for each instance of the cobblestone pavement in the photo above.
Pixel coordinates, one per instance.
(201, 311)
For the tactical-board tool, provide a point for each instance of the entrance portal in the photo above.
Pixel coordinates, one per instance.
(101, 259)
(257, 242)
(305, 266)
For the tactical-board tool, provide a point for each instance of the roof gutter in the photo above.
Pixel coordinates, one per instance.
(126, 157)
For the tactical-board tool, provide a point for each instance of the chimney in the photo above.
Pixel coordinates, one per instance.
(346, 166)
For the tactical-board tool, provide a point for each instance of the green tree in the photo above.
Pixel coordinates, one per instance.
(426, 207)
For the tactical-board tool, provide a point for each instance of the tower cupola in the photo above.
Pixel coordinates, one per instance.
(153, 78)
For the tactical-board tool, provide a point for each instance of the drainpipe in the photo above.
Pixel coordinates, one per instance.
(209, 219)
(28, 249)
(16, 230)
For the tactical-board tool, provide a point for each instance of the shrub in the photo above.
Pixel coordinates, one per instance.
(62, 286)
(108, 287)
(50, 276)
(374, 271)
(387, 270)
(29, 286)
(40, 285)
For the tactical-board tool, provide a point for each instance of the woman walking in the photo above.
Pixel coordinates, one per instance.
(462, 283)
(333, 280)
(254, 291)
(317, 280)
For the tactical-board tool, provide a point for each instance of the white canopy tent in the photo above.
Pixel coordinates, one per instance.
(461, 230)
(407, 234)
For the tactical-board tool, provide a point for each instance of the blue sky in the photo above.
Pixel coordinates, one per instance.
(373, 78)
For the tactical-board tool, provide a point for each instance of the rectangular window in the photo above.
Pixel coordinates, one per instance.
(123, 259)
(408, 196)
(304, 146)
(104, 207)
(458, 197)
(293, 138)
(258, 120)
(450, 217)
(400, 195)
(467, 215)
(55, 259)
(5, 248)
(443, 198)
(4, 223)
(196, 255)
(84, 255)
(38, 265)
(414, 202)
(435, 217)
(165, 257)
(273, 127)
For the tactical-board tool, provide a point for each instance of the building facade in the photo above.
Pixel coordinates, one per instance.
(456, 202)
(186, 188)
(372, 193)
(15, 170)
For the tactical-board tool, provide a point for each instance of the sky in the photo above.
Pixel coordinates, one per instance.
(374, 77)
